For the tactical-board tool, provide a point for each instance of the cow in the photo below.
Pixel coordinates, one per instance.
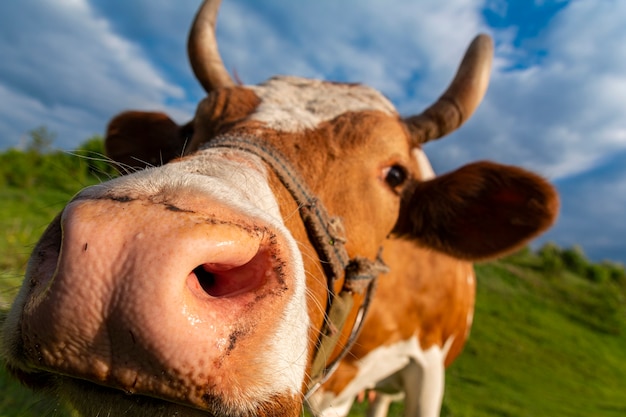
(228, 280)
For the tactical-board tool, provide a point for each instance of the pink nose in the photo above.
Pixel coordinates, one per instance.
(157, 299)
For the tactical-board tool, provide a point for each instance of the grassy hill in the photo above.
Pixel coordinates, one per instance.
(549, 335)
(542, 345)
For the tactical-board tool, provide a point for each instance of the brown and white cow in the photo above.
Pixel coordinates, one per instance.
(203, 286)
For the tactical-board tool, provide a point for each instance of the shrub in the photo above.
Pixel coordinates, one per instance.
(20, 169)
(617, 274)
(575, 260)
(550, 256)
(38, 166)
(598, 273)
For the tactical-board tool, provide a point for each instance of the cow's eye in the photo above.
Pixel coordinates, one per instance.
(395, 175)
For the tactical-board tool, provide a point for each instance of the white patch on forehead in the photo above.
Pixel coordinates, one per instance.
(293, 104)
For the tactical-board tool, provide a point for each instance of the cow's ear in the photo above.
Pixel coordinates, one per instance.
(136, 140)
(480, 211)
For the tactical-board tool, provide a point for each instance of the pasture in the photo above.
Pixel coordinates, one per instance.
(549, 335)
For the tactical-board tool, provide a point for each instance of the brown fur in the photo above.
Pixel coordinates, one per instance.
(219, 112)
(425, 294)
(342, 161)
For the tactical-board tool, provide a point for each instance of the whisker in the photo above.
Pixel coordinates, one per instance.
(146, 163)
(182, 151)
(294, 212)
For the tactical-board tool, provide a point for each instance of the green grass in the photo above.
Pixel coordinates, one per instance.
(541, 345)
(16, 401)
(24, 214)
(536, 352)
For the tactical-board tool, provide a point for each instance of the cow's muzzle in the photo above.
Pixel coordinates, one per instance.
(177, 302)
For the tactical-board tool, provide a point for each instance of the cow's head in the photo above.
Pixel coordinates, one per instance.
(199, 287)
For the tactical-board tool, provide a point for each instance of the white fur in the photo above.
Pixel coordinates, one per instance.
(403, 366)
(293, 104)
(219, 175)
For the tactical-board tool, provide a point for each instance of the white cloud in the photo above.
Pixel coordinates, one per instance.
(68, 60)
(28, 113)
(382, 44)
(593, 206)
(81, 55)
(563, 114)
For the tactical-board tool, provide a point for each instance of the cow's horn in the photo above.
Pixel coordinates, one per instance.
(461, 98)
(202, 49)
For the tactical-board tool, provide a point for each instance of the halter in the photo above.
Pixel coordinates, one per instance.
(327, 235)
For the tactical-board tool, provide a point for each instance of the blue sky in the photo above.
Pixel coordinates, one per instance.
(555, 103)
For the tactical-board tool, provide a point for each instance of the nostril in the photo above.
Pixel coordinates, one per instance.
(206, 279)
(228, 280)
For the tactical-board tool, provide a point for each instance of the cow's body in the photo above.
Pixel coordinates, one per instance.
(202, 287)
(409, 336)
